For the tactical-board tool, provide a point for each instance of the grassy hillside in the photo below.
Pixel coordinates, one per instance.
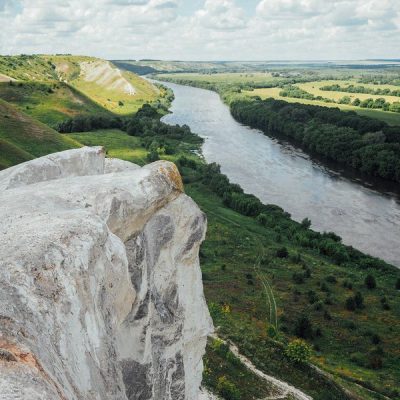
(23, 138)
(120, 92)
(241, 257)
(53, 88)
(27, 68)
(49, 102)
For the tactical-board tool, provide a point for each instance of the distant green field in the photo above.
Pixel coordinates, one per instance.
(389, 117)
(314, 88)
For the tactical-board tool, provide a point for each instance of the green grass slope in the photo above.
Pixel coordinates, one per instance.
(49, 102)
(104, 84)
(53, 88)
(359, 349)
(27, 68)
(23, 138)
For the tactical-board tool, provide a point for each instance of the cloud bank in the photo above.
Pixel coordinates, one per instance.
(213, 29)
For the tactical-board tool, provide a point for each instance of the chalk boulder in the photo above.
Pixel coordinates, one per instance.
(100, 286)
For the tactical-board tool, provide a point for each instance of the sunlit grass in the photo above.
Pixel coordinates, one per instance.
(389, 117)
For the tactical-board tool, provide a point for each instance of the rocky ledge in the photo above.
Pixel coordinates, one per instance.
(100, 286)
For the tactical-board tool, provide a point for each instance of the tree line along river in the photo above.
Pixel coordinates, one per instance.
(281, 174)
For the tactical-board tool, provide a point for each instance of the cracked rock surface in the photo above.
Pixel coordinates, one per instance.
(100, 286)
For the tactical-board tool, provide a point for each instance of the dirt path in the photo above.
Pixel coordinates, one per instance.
(284, 390)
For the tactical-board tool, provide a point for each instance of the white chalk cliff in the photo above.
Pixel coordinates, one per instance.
(100, 286)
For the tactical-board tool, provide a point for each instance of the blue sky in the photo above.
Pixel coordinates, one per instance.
(203, 29)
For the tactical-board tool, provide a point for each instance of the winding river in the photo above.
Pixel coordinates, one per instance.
(281, 174)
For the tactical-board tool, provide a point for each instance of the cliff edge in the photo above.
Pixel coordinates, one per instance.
(100, 287)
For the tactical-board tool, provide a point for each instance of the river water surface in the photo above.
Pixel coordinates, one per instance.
(281, 174)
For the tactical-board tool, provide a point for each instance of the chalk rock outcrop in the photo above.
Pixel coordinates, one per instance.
(100, 286)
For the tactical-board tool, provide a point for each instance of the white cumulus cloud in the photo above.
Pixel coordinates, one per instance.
(203, 29)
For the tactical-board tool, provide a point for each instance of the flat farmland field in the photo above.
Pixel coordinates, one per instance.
(315, 89)
(391, 118)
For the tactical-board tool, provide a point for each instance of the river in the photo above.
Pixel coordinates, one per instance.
(281, 174)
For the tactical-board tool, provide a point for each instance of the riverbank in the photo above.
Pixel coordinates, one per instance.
(306, 282)
(286, 176)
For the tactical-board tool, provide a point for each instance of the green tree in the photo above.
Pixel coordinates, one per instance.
(227, 389)
(398, 284)
(152, 156)
(359, 300)
(303, 328)
(370, 281)
(350, 304)
(298, 351)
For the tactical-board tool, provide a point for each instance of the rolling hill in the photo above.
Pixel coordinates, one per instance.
(53, 88)
(23, 138)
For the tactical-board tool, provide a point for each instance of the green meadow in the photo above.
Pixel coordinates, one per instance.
(240, 255)
(390, 118)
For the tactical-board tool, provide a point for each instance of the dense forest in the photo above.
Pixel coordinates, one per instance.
(363, 143)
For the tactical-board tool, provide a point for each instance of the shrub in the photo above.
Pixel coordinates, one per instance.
(328, 300)
(375, 339)
(359, 300)
(298, 351)
(152, 156)
(282, 252)
(298, 277)
(375, 360)
(307, 272)
(318, 306)
(312, 296)
(303, 328)
(398, 284)
(370, 282)
(354, 302)
(331, 279)
(324, 287)
(295, 258)
(351, 304)
(227, 389)
(327, 315)
(220, 347)
(347, 284)
(385, 304)
(358, 359)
